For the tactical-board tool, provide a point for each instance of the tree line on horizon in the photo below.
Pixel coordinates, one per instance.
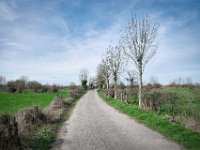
(22, 84)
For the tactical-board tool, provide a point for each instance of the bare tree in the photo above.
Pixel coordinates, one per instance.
(139, 44)
(25, 79)
(84, 77)
(180, 80)
(153, 80)
(131, 77)
(188, 81)
(72, 85)
(92, 82)
(2, 80)
(106, 71)
(104, 74)
(100, 78)
(117, 63)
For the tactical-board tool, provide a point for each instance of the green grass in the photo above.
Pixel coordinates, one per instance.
(188, 101)
(13, 102)
(63, 92)
(174, 131)
(44, 138)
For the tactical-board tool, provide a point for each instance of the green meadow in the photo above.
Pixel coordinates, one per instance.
(188, 100)
(13, 102)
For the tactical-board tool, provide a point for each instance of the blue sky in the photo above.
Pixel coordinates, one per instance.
(52, 40)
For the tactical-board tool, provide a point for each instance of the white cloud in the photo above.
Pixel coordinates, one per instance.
(7, 13)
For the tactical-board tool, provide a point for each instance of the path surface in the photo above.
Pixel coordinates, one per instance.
(94, 125)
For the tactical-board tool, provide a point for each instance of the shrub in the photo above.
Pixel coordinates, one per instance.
(171, 102)
(30, 118)
(111, 93)
(153, 100)
(132, 97)
(84, 84)
(55, 88)
(11, 89)
(44, 89)
(9, 138)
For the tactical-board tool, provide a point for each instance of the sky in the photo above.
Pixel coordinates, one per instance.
(52, 40)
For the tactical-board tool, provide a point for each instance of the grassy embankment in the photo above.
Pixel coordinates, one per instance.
(46, 135)
(175, 131)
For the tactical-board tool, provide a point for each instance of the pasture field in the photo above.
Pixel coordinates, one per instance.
(188, 99)
(13, 102)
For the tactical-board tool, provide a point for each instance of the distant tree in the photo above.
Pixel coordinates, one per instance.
(188, 81)
(34, 85)
(72, 85)
(45, 88)
(106, 71)
(139, 44)
(100, 77)
(2, 80)
(92, 82)
(20, 85)
(180, 81)
(131, 77)
(122, 85)
(11, 87)
(153, 80)
(24, 79)
(117, 63)
(84, 78)
(54, 88)
(154, 83)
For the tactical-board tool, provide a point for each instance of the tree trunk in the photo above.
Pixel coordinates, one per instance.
(140, 85)
(107, 86)
(115, 88)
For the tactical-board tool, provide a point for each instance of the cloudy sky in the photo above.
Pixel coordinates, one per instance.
(52, 40)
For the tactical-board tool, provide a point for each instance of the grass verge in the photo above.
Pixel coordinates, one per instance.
(177, 132)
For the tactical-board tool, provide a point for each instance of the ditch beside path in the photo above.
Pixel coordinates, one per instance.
(94, 125)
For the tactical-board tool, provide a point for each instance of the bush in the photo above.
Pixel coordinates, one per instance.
(84, 84)
(9, 138)
(55, 88)
(11, 89)
(153, 100)
(132, 97)
(30, 118)
(44, 89)
(171, 102)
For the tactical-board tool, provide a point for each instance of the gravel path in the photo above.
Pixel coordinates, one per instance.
(94, 125)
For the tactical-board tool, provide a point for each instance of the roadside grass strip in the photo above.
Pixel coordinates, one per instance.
(175, 131)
